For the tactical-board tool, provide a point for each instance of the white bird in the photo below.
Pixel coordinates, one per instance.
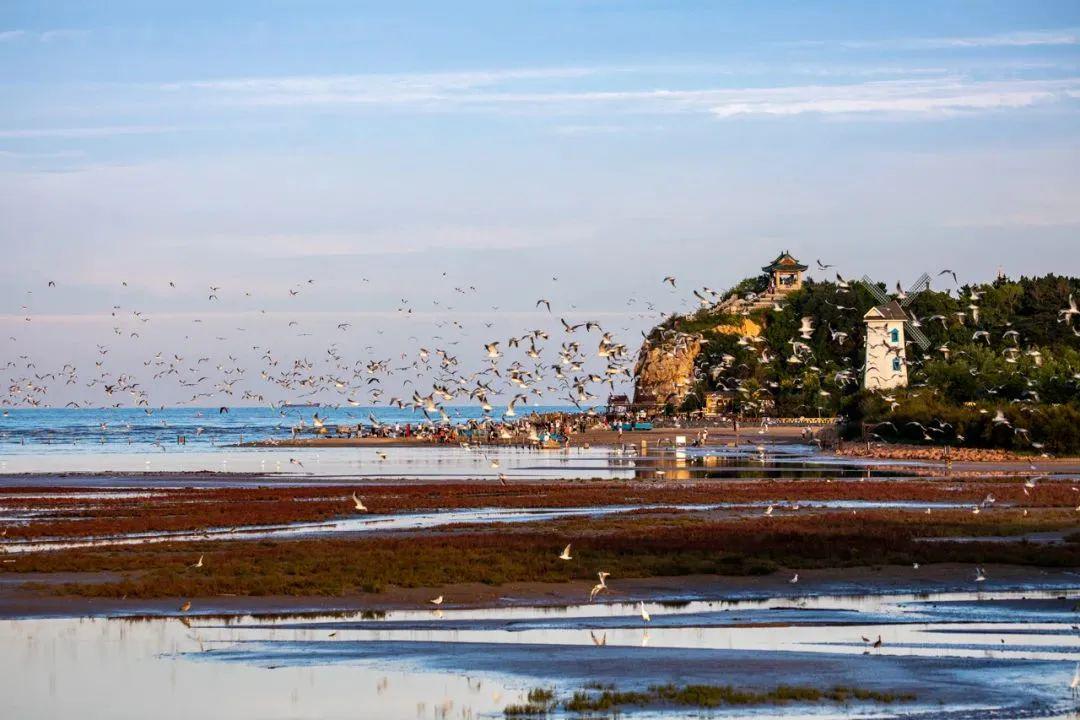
(980, 575)
(566, 553)
(198, 564)
(794, 579)
(644, 613)
(359, 504)
(806, 327)
(768, 510)
(436, 601)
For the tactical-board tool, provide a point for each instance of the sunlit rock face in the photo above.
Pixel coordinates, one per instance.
(665, 370)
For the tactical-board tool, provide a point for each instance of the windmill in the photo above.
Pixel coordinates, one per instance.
(920, 285)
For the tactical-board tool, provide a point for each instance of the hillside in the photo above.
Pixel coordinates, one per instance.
(1004, 347)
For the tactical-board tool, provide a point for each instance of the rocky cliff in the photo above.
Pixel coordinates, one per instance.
(667, 364)
(665, 370)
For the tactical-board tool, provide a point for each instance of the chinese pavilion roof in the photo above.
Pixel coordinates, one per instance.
(784, 261)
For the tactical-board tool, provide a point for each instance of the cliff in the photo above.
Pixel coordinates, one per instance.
(665, 370)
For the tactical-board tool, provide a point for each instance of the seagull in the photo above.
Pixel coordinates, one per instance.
(598, 641)
(359, 504)
(768, 510)
(436, 601)
(566, 553)
(198, 564)
(980, 575)
(294, 461)
(794, 579)
(644, 613)
(1067, 313)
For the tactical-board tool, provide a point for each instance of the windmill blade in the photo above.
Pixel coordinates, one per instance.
(918, 336)
(923, 283)
(874, 290)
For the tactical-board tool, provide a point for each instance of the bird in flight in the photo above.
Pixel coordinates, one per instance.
(358, 503)
(670, 280)
(644, 613)
(199, 564)
(566, 553)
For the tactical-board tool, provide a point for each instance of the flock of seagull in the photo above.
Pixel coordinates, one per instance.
(525, 368)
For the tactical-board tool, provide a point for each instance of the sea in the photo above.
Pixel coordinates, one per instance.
(133, 430)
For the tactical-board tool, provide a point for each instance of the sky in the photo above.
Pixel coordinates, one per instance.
(464, 160)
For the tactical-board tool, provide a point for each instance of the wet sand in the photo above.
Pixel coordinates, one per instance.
(17, 600)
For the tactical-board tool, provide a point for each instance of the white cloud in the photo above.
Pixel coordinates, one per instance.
(85, 132)
(516, 91)
(1033, 38)
(44, 36)
(935, 97)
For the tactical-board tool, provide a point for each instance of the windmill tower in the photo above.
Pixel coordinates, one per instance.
(886, 346)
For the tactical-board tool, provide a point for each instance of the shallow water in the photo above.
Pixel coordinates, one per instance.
(301, 466)
(970, 654)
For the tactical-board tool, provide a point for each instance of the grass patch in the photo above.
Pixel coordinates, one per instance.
(713, 696)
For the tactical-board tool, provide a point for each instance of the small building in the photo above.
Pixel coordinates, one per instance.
(719, 402)
(886, 349)
(785, 273)
(618, 407)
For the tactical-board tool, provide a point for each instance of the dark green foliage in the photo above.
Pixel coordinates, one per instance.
(1024, 361)
(713, 696)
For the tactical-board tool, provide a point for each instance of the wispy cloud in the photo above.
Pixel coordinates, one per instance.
(580, 91)
(44, 36)
(1068, 36)
(85, 132)
(900, 97)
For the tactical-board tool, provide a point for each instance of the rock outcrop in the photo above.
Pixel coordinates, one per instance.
(665, 370)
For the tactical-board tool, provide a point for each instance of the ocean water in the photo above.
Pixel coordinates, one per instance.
(132, 430)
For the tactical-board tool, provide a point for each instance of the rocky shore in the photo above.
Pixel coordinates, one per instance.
(937, 453)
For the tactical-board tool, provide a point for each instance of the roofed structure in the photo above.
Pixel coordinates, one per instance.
(785, 273)
(889, 311)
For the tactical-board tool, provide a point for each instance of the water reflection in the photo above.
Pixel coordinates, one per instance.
(969, 651)
(453, 461)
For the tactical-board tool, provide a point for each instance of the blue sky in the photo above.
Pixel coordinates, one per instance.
(375, 147)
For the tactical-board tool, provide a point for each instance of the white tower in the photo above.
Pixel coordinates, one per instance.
(886, 351)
